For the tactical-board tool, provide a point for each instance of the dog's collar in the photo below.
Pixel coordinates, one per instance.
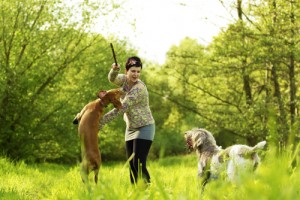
(102, 103)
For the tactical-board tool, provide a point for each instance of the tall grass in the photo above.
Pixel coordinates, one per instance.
(172, 178)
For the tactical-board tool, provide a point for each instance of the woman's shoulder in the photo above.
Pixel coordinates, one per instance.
(139, 87)
(140, 84)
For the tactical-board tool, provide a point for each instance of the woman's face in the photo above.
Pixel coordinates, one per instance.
(133, 73)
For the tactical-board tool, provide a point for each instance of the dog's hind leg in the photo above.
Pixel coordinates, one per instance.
(256, 160)
(84, 172)
(230, 170)
(96, 171)
(95, 166)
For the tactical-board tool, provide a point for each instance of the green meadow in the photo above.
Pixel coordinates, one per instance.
(278, 177)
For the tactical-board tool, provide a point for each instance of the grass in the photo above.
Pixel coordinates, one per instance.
(172, 178)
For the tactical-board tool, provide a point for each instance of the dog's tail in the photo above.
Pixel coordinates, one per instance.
(259, 145)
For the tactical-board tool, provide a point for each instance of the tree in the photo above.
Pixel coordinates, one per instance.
(51, 65)
(244, 75)
(277, 40)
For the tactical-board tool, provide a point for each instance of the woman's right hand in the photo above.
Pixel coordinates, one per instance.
(115, 67)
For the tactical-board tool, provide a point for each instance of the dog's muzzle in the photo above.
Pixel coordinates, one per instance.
(189, 143)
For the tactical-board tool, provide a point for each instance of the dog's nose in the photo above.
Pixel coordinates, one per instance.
(75, 121)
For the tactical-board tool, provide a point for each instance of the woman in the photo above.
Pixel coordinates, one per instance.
(140, 125)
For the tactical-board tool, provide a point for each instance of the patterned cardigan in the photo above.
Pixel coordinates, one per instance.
(135, 103)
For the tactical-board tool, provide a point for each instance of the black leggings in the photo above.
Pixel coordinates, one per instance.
(141, 149)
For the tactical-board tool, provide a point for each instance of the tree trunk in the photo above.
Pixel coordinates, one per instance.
(282, 126)
(245, 73)
(292, 68)
(246, 77)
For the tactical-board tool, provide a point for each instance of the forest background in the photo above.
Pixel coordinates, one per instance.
(242, 86)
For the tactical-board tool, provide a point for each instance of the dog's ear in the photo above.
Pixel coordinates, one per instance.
(101, 94)
(198, 143)
(198, 140)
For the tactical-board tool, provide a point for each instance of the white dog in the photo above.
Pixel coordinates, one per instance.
(213, 160)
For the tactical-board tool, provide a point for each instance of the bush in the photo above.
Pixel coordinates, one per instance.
(168, 143)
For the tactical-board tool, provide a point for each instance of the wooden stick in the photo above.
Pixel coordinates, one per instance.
(113, 52)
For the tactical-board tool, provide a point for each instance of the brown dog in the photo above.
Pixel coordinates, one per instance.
(88, 128)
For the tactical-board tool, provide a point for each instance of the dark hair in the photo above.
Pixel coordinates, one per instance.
(133, 61)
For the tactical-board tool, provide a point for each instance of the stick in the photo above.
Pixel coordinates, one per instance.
(113, 52)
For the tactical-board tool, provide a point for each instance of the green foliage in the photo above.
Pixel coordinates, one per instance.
(167, 142)
(172, 178)
(242, 86)
(242, 81)
(51, 66)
